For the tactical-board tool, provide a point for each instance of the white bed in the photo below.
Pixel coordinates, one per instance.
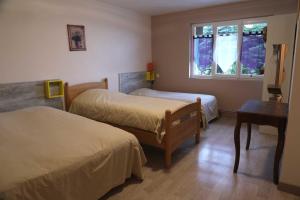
(125, 110)
(209, 102)
(161, 123)
(48, 154)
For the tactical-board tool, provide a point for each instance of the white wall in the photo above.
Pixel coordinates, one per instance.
(291, 159)
(34, 44)
(281, 30)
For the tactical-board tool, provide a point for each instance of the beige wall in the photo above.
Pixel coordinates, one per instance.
(34, 43)
(284, 28)
(170, 50)
(281, 30)
(291, 160)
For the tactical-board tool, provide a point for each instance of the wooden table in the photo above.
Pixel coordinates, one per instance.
(262, 113)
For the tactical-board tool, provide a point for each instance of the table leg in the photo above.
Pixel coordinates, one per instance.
(279, 150)
(237, 145)
(248, 136)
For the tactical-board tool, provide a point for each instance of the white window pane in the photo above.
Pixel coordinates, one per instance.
(226, 49)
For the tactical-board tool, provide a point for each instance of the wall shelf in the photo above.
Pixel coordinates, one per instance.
(54, 88)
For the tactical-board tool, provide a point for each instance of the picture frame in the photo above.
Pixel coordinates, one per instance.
(76, 36)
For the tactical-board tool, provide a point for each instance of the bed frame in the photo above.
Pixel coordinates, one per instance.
(179, 125)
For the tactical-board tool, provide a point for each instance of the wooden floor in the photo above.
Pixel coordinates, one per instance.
(205, 171)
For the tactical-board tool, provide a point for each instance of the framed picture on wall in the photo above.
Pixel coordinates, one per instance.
(76, 36)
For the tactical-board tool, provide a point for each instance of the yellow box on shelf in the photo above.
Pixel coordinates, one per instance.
(150, 76)
(54, 88)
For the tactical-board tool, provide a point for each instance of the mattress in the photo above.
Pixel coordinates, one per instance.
(48, 154)
(209, 102)
(140, 112)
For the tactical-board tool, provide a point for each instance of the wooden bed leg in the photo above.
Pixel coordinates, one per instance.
(67, 103)
(167, 137)
(168, 159)
(199, 117)
(197, 138)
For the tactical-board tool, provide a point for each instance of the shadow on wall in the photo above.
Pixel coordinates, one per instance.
(2, 2)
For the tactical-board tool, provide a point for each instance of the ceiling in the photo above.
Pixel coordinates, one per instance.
(158, 7)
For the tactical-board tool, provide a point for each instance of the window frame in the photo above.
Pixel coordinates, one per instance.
(214, 75)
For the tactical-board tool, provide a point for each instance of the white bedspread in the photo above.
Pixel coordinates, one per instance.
(145, 113)
(209, 102)
(48, 154)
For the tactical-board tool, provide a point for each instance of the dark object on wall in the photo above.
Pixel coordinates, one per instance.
(273, 89)
(76, 36)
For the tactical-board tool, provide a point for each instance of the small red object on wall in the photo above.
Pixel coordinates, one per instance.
(150, 67)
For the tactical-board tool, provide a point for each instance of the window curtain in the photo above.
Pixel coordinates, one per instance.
(203, 53)
(226, 52)
(253, 52)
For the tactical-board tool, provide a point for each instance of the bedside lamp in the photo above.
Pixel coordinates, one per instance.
(150, 74)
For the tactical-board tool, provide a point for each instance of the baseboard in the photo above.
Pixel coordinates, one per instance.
(226, 113)
(289, 188)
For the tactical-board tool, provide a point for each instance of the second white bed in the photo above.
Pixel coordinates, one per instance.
(209, 102)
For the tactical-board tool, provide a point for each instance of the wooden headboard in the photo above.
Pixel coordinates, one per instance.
(131, 81)
(74, 90)
(14, 96)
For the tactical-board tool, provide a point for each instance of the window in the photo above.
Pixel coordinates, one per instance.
(203, 50)
(232, 49)
(253, 51)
